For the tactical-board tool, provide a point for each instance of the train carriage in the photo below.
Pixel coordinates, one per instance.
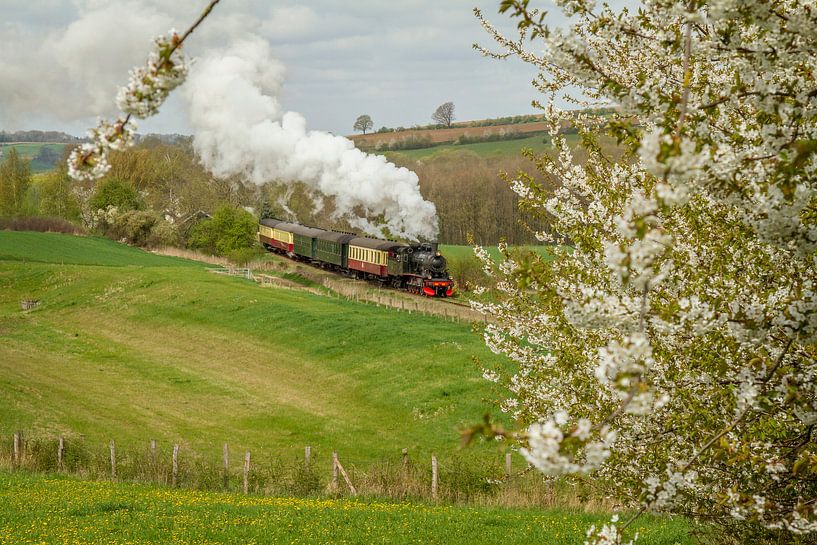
(271, 237)
(306, 241)
(333, 248)
(370, 256)
(295, 239)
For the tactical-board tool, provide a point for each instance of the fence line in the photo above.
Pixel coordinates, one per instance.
(435, 307)
(68, 451)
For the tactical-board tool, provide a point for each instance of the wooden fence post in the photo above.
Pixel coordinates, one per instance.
(17, 448)
(175, 475)
(226, 456)
(433, 477)
(153, 462)
(113, 460)
(334, 483)
(60, 452)
(404, 466)
(339, 467)
(508, 465)
(246, 471)
(307, 456)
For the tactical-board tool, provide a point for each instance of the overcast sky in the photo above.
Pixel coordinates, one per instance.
(62, 60)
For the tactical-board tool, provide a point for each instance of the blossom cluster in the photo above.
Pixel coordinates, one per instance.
(547, 442)
(149, 86)
(681, 314)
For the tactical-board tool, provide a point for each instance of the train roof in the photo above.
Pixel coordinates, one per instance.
(299, 229)
(270, 222)
(373, 243)
(334, 236)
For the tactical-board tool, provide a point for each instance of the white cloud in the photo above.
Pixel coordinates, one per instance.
(62, 60)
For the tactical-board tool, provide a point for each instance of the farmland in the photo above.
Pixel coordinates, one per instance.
(55, 510)
(441, 135)
(537, 143)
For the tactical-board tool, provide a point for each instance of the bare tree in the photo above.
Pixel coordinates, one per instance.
(444, 114)
(363, 123)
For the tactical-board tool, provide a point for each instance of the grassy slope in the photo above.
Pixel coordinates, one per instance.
(59, 510)
(58, 249)
(161, 348)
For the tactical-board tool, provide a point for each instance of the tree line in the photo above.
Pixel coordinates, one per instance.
(38, 136)
(161, 187)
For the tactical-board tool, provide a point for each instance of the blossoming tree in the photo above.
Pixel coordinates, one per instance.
(669, 348)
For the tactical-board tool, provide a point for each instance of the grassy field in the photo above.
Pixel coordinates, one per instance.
(63, 250)
(461, 251)
(483, 149)
(131, 346)
(58, 510)
(30, 152)
(442, 134)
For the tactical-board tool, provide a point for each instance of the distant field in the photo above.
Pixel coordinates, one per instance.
(436, 136)
(464, 252)
(130, 346)
(483, 149)
(57, 510)
(486, 149)
(70, 250)
(30, 152)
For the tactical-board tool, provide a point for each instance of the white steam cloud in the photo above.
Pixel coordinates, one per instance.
(240, 129)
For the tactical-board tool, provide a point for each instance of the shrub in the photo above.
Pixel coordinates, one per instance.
(142, 228)
(242, 256)
(40, 224)
(229, 230)
(466, 271)
(410, 142)
(118, 194)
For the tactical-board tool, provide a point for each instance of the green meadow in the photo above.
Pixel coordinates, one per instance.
(57, 510)
(459, 251)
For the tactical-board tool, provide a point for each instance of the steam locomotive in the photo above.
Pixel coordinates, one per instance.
(417, 268)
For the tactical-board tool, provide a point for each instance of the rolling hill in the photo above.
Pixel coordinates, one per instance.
(131, 346)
